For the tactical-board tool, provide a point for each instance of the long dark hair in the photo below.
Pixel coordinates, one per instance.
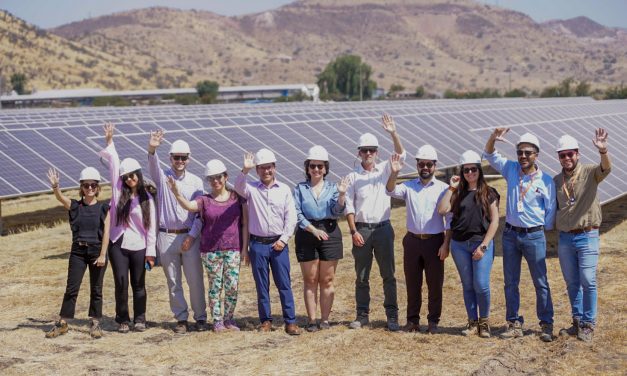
(482, 195)
(326, 169)
(124, 204)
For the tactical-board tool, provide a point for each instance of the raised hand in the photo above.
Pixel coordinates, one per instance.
(53, 176)
(172, 184)
(499, 133)
(600, 139)
(156, 138)
(388, 123)
(249, 161)
(454, 183)
(396, 163)
(342, 185)
(109, 128)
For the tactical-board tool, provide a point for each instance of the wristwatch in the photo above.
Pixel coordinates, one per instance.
(484, 248)
(353, 232)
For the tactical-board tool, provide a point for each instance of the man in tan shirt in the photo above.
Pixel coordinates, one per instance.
(578, 219)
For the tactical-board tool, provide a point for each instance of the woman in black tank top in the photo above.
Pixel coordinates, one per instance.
(89, 221)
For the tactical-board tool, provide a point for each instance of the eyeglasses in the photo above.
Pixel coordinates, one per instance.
(468, 170)
(89, 185)
(425, 164)
(180, 157)
(316, 166)
(527, 153)
(368, 150)
(215, 177)
(566, 154)
(130, 175)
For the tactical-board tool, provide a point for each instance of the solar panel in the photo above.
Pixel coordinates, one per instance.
(33, 140)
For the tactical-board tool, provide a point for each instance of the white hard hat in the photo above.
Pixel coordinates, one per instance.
(368, 139)
(567, 142)
(214, 167)
(427, 152)
(318, 153)
(89, 173)
(469, 157)
(129, 165)
(528, 138)
(179, 147)
(264, 156)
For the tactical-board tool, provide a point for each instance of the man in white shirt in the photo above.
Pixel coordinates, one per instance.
(368, 215)
(426, 244)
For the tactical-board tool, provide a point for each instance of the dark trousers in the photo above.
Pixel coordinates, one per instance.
(378, 243)
(422, 255)
(124, 261)
(82, 258)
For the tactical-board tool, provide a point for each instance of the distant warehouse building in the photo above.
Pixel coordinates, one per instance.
(88, 96)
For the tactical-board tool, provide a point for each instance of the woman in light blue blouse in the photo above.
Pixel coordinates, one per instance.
(318, 237)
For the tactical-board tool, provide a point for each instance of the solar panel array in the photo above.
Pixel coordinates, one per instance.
(33, 140)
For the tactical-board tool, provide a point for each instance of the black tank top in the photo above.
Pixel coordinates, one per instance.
(87, 221)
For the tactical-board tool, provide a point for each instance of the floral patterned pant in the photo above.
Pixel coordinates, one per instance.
(222, 272)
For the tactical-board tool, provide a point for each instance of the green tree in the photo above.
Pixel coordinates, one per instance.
(18, 82)
(396, 88)
(582, 89)
(515, 93)
(420, 91)
(616, 92)
(343, 78)
(207, 91)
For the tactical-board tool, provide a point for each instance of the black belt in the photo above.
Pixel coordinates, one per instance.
(177, 231)
(582, 230)
(324, 223)
(264, 239)
(86, 244)
(525, 230)
(371, 226)
(424, 236)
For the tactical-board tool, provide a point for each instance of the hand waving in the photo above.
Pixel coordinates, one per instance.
(396, 163)
(53, 176)
(499, 133)
(388, 124)
(342, 185)
(600, 139)
(249, 161)
(454, 183)
(109, 128)
(156, 138)
(172, 184)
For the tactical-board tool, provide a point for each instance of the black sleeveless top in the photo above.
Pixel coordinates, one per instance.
(472, 223)
(87, 221)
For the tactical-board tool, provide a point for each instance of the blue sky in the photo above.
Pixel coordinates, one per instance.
(50, 13)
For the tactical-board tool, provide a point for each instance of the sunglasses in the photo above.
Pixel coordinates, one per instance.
(89, 185)
(215, 177)
(566, 154)
(468, 170)
(180, 157)
(130, 175)
(425, 164)
(368, 150)
(527, 153)
(316, 166)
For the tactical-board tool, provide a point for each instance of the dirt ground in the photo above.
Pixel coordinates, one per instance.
(34, 271)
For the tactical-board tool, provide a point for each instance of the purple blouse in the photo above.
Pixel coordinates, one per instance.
(221, 223)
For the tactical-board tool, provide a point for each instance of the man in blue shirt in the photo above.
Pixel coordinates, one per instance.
(531, 208)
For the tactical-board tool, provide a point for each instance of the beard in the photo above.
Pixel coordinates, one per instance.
(425, 174)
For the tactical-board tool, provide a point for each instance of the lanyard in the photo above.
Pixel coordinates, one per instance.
(569, 189)
(524, 191)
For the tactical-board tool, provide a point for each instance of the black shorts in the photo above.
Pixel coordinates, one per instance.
(309, 248)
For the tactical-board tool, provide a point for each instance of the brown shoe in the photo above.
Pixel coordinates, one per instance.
(433, 328)
(410, 327)
(60, 328)
(265, 327)
(292, 329)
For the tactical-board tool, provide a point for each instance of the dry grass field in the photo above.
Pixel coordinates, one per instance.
(32, 281)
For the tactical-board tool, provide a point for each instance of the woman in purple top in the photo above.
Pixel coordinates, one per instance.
(223, 241)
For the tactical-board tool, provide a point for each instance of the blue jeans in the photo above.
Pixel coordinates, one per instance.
(579, 256)
(533, 247)
(475, 276)
(262, 258)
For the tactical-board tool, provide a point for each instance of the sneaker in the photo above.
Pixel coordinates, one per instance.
(586, 332)
(311, 327)
(573, 330)
(324, 325)
(359, 322)
(201, 326)
(181, 327)
(411, 327)
(124, 328)
(231, 325)
(433, 328)
(514, 330)
(95, 331)
(472, 328)
(218, 326)
(60, 328)
(484, 327)
(392, 325)
(547, 332)
(139, 327)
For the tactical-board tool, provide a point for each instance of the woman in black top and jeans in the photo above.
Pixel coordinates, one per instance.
(89, 221)
(475, 220)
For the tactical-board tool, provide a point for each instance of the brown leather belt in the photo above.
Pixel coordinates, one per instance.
(582, 230)
(423, 236)
(178, 231)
